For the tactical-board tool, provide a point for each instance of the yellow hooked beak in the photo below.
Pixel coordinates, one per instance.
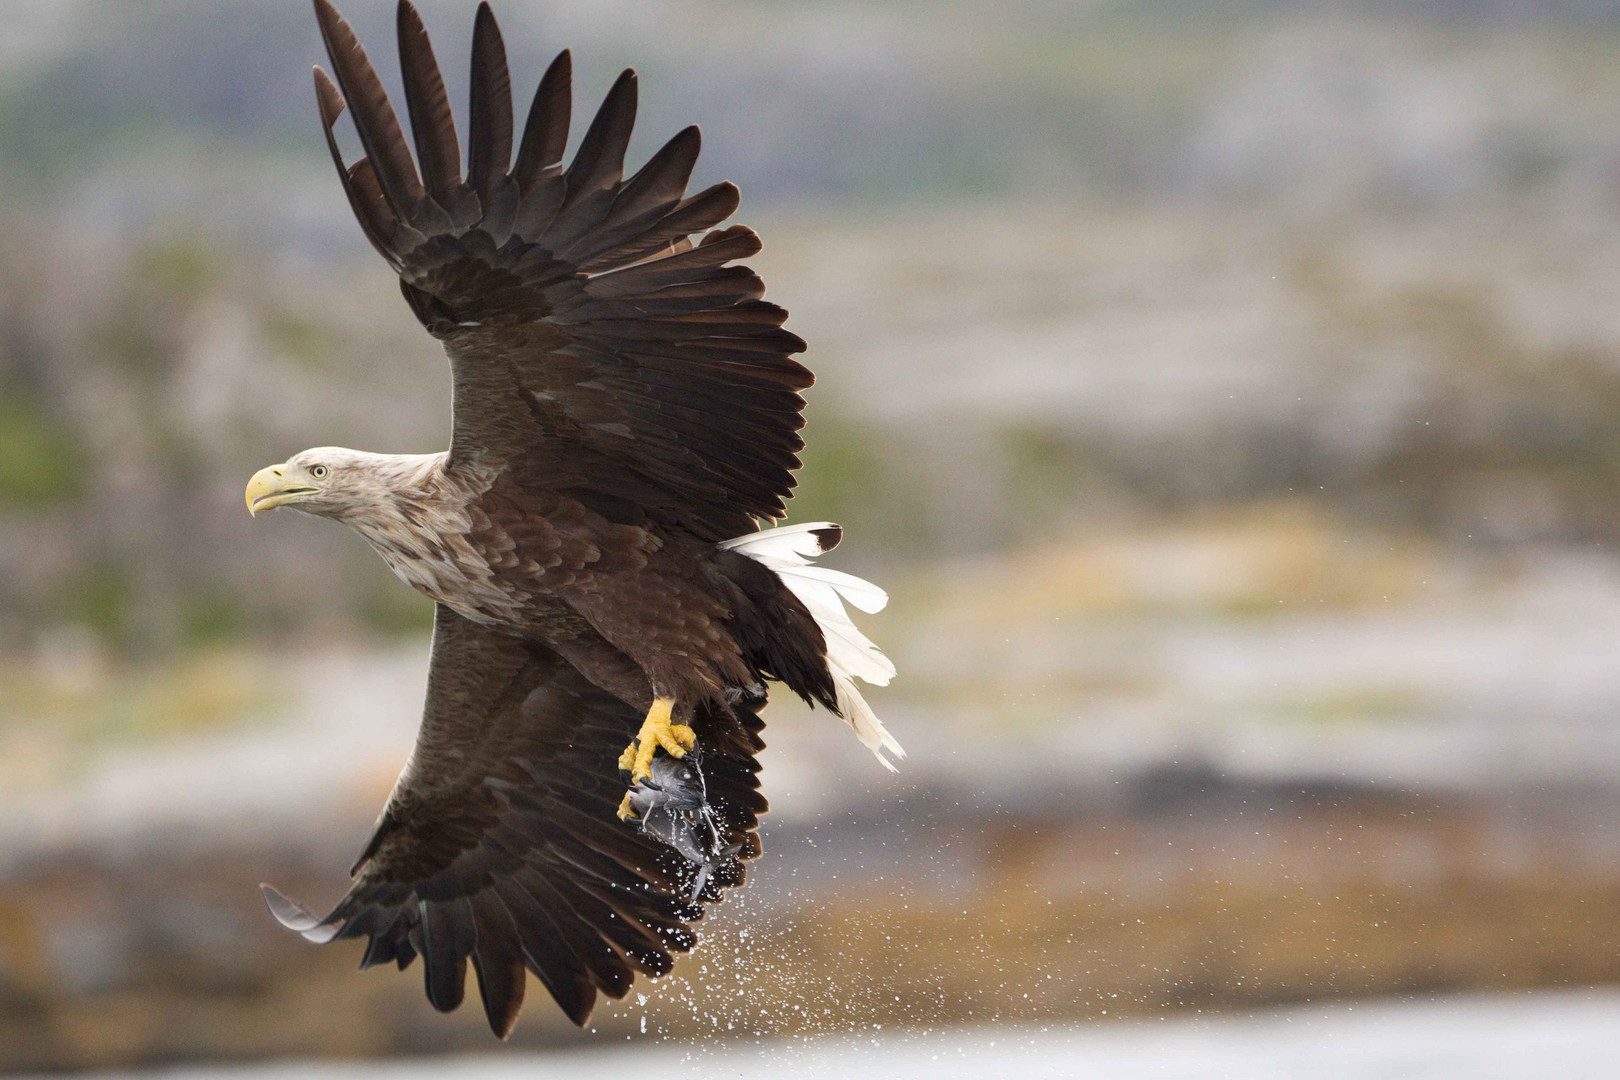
(277, 486)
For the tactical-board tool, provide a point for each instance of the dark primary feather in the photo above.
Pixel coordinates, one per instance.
(499, 847)
(437, 151)
(597, 169)
(545, 135)
(374, 117)
(489, 118)
(595, 350)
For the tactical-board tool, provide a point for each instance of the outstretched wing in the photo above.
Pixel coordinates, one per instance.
(598, 354)
(499, 844)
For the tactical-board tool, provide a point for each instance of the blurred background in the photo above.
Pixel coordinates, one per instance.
(1228, 394)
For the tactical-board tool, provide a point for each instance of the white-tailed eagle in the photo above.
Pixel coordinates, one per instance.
(626, 416)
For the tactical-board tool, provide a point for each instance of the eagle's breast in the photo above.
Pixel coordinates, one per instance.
(424, 532)
(450, 570)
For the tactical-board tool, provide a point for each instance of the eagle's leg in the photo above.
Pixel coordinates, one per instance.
(657, 730)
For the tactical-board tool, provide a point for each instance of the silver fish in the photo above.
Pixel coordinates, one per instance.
(672, 805)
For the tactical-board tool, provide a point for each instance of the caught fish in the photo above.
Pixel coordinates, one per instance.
(672, 805)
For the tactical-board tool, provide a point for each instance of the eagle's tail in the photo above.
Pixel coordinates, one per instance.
(850, 654)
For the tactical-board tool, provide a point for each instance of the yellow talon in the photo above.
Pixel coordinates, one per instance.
(625, 813)
(657, 731)
(627, 760)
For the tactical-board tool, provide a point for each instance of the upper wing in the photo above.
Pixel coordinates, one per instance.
(499, 844)
(597, 352)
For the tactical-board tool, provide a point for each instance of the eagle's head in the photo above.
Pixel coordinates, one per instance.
(333, 482)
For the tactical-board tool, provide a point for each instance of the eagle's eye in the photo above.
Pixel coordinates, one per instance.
(319, 472)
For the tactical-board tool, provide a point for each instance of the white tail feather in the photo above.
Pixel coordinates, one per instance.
(851, 654)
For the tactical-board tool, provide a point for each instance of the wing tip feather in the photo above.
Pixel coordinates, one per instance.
(295, 916)
(330, 19)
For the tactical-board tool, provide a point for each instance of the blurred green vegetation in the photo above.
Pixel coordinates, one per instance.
(55, 716)
(100, 596)
(213, 617)
(178, 266)
(863, 478)
(1050, 459)
(42, 463)
(299, 337)
(390, 610)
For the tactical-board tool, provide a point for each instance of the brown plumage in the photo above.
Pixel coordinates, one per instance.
(626, 407)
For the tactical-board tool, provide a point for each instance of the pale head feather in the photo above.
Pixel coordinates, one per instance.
(363, 489)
